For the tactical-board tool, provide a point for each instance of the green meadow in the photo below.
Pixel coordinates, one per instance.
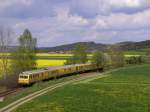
(124, 90)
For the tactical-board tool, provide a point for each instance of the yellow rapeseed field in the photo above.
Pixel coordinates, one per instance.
(44, 63)
(54, 62)
(129, 55)
(47, 54)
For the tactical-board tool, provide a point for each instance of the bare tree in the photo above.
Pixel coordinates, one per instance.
(5, 40)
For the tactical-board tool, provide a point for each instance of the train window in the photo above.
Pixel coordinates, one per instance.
(69, 69)
(25, 77)
(36, 76)
(65, 70)
(77, 68)
(21, 76)
(30, 76)
(40, 74)
(53, 72)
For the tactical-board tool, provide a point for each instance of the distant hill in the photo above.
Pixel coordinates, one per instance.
(92, 46)
(69, 47)
(127, 46)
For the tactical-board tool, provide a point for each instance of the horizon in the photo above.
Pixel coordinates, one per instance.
(85, 42)
(60, 22)
(95, 42)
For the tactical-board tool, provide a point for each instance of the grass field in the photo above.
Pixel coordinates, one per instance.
(125, 90)
(134, 53)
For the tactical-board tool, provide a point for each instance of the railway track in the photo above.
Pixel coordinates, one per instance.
(8, 92)
(30, 97)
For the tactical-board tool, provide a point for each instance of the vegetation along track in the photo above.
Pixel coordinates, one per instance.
(23, 100)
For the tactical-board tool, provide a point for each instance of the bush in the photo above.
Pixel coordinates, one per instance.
(10, 81)
(135, 60)
(146, 59)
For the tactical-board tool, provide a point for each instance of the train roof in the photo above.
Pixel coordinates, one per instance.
(66, 66)
(33, 71)
(50, 69)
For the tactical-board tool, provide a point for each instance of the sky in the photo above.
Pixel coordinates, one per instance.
(58, 22)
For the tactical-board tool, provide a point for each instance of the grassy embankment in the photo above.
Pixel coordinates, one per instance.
(125, 90)
(34, 88)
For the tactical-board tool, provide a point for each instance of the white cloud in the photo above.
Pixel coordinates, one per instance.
(91, 8)
(67, 26)
(7, 3)
(125, 3)
(64, 17)
(122, 21)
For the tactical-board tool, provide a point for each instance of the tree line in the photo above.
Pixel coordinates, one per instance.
(112, 57)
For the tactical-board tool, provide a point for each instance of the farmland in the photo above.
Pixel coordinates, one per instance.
(125, 90)
(46, 59)
(134, 53)
(44, 63)
(48, 62)
(47, 54)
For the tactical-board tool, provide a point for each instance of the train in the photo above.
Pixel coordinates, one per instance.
(31, 77)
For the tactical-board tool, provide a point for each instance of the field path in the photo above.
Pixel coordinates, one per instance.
(30, 97)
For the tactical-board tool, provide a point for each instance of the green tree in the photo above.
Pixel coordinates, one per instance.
(98, 58)
(136, 60)
(79, 55)
(117, 56)
(25, 56)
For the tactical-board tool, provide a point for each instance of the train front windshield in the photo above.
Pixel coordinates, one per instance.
(23, 77)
